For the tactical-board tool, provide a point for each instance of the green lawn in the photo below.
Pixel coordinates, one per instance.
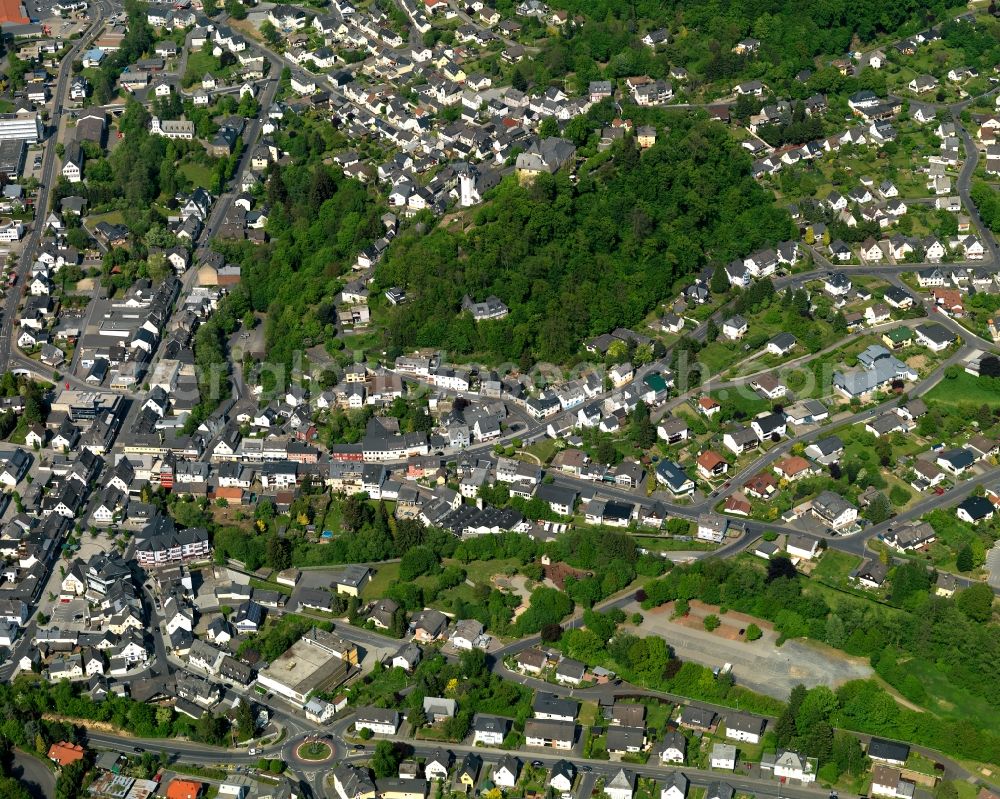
(834, 566)
(20, 430)
(656, 544)
(112, 218)
(198, 63)
(657, 714)
(267, 586)
(748, 405)
(720, 355)
(385, 575)
(543, 450)
(480, 571)
(919, 763)
(964, 389)
(315, 750)
(332, 520)
(198, 174)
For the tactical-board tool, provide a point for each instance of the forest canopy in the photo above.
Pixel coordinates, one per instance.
(319, 220)
(790, 32)
(573, 260)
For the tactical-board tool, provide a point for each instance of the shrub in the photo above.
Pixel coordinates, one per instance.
(899, 496)
(551, 633)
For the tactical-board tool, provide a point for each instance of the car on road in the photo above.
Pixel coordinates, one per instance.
(358, 748)
(253, 750)
(137, 749)
(537, 764)
(586, 769)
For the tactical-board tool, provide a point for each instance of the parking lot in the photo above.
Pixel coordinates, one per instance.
(761, 665)
(993, 566)
(71, 615)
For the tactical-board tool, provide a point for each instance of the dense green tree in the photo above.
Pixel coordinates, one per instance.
(385, 760)
(963, 560)
(720, 280)
(418, 561)
(879, 508)
(976, 602)
(909, 578)
(643, 430)
(279, 552)
(245, 721)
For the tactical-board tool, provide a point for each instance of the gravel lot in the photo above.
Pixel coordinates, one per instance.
(760, 665)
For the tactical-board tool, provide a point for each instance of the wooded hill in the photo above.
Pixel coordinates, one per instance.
(575, 259)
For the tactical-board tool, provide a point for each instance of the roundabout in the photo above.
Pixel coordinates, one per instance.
(314, 751)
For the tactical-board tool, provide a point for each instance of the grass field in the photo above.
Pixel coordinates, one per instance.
(966, 390)
(834, 566)
(946, 699)
(332, 519)
(655, 544)
(199, 62)
(314, 750)
(112, 218)
(198, 174)
(267, 586)
(385, 575)
(478, 571)
(747, 404)
(543, 450)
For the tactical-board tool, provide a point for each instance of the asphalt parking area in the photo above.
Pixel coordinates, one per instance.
(993, 565)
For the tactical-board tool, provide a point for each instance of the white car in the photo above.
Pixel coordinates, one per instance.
(252, 751)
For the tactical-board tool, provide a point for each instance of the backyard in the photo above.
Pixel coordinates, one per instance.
(834, 566)
(965, 389)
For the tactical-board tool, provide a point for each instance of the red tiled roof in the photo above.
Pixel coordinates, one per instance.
(183, 789)
(65, 753)
(12, 11)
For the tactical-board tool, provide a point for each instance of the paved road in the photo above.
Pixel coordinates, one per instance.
(534, 431)
(207, 755)
(34, 775)
(964, 185)
(100, 10)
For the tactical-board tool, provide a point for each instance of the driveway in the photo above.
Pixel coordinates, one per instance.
(759, 665)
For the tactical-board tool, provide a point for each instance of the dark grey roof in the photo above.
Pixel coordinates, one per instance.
(881, 749)
(554, 705)
(977, 507)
